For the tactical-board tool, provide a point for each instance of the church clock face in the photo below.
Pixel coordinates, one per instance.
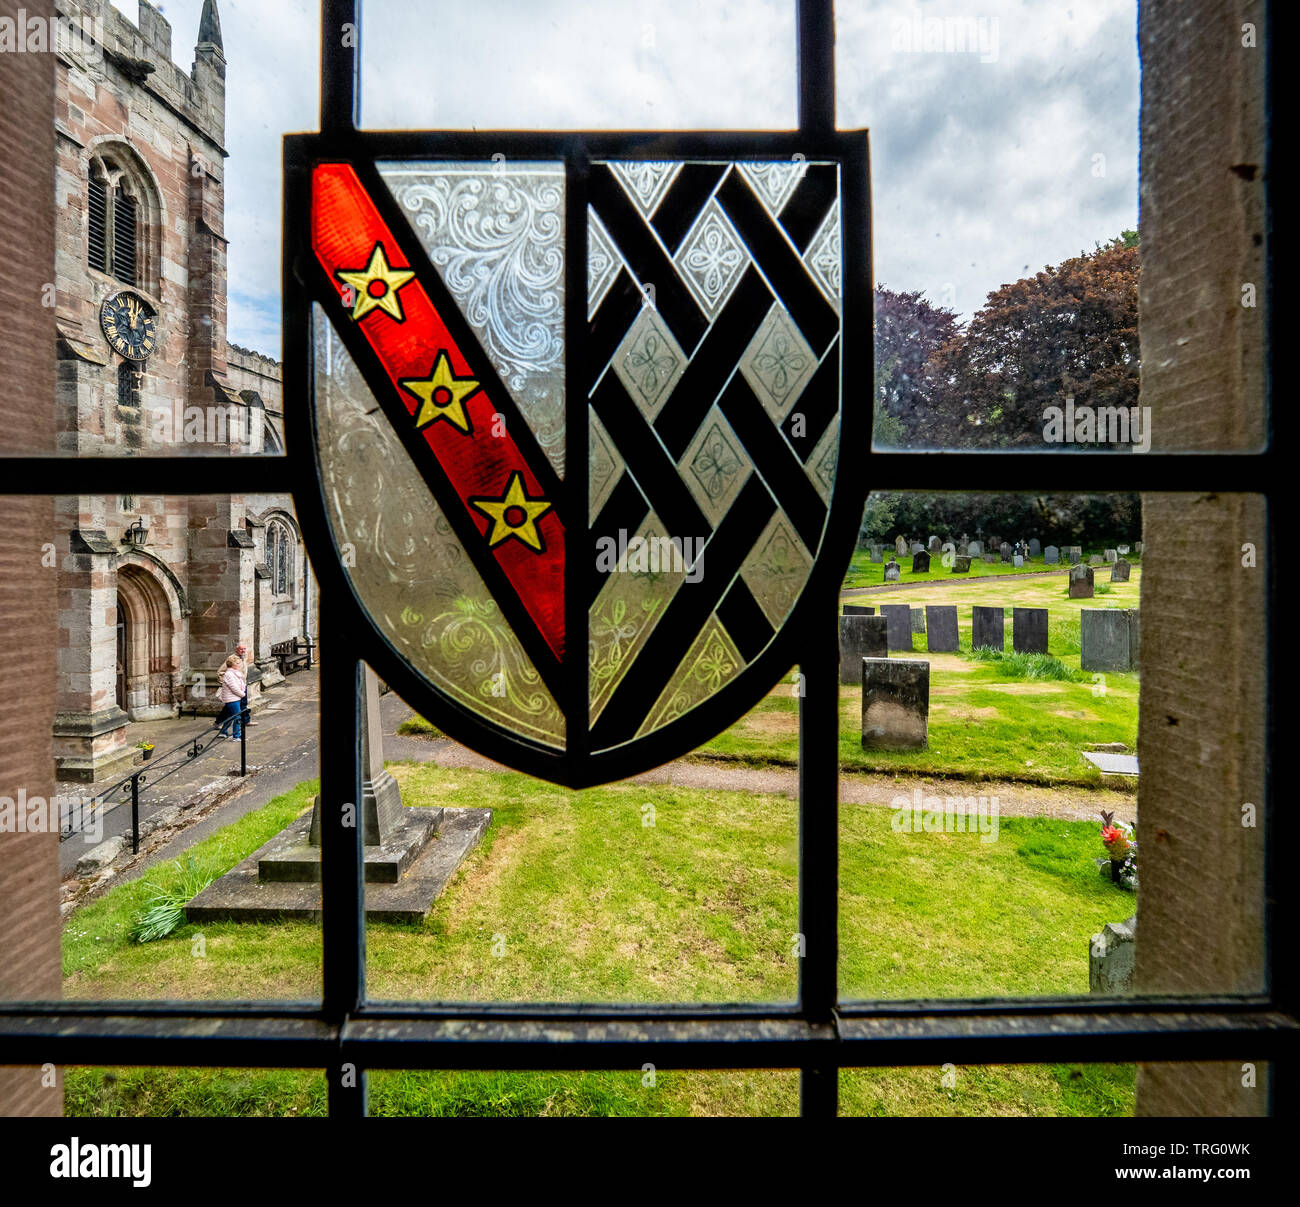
(130, 325)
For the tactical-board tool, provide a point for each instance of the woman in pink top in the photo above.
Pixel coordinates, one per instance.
(231, 695)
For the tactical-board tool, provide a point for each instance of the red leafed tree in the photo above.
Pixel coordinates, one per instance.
(1066, 331)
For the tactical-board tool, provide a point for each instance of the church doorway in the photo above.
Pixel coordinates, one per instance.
(144, 645)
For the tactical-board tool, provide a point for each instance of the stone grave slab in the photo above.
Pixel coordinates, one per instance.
(1029, 630)
(899, 625)
(861, 637)
(1081, 582)
(987, 628)
(895, 703)
(941, 628)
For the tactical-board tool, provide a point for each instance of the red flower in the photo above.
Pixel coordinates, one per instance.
(1111, 834)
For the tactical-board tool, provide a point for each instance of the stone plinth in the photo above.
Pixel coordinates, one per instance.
(1107, 639)
(858, 610)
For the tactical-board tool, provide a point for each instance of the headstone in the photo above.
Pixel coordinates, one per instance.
(918, 620)
(1137, 548)
(877, 553)
(1051, 555)
(1106, 639)
(1111, 958)
(895, 703)
(986, 628)
(993, 543)
(961, 565)
(899, 627)
(975, 549)
(858, 610)
(900, 545)
(917, 547)
(1005, 550)
(1096, 560)
(860, 637)
(962, 549)
(1018, 561)
(1110, 555)
(1119, 571)
(990, 557)
(1035, 547)
(941, 628)
(949, 547)
(1029, 630)
(1122, 550)
(1074, 555)
(934, 545)
(920, 563)
(892, 571)
(1081, 582)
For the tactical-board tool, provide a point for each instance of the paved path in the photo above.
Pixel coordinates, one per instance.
(957, 580)
(282, 751)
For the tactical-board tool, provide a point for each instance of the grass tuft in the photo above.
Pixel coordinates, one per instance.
(1029, 666)
(165, 910)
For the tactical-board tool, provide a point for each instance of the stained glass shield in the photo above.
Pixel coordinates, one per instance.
(579, 422)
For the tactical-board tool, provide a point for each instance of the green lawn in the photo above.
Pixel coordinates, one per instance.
(571, 896)
(985, 722)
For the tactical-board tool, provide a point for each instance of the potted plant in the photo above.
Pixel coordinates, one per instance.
(146, 749)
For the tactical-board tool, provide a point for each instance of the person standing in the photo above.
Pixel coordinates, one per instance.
(231, 694)
(242, 650)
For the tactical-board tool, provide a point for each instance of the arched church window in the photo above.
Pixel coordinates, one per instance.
(113, 237)
(130, 380)
(280, 547)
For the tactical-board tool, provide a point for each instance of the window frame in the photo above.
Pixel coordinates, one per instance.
(817, 1034)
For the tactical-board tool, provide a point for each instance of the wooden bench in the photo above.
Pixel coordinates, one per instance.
(292, 655)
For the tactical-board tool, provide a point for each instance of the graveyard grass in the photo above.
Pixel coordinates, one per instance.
(988, 720)
(595, 904)
(863, 572)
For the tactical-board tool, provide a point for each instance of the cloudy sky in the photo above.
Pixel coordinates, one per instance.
(992, 155)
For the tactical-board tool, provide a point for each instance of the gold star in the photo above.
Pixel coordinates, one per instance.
(376, 285)
(442, 394)
(514, 515)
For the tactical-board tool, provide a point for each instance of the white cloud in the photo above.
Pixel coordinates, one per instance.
(981, 171)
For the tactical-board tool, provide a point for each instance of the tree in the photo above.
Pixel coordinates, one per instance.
(909, 331)
(1068, 331)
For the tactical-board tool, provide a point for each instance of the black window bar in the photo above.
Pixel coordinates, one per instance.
(346, 1035)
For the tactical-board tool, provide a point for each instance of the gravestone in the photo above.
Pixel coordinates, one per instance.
(961, 565)
(918, 620)
(962, 549)
(1137, 548)
(1110, 555)
(1119, 571)
(877, 553)
(1018, 561)
(861, 637)
(990, 558)
(920, 562)
(1096, 560)
(1107, 639)
(986, 628)
(934, 545)
(1074, 555)
(892, 571)
(1081, 582)
(1005, 550)
(1111, 958)
(899, 625)
(1122, 550)
(975, 549)
(917, 547)
(1029, 630)
(895, 703)
(941, 628)
(949, 547)
(900, 545)
(858, 610)
(1051, 555)
(1035, 548)
(993, 544)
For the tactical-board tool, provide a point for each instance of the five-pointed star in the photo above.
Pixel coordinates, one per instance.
(376, 285)
(442, 394)
(514, 515)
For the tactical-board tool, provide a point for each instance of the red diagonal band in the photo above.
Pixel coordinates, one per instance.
(479, 464)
